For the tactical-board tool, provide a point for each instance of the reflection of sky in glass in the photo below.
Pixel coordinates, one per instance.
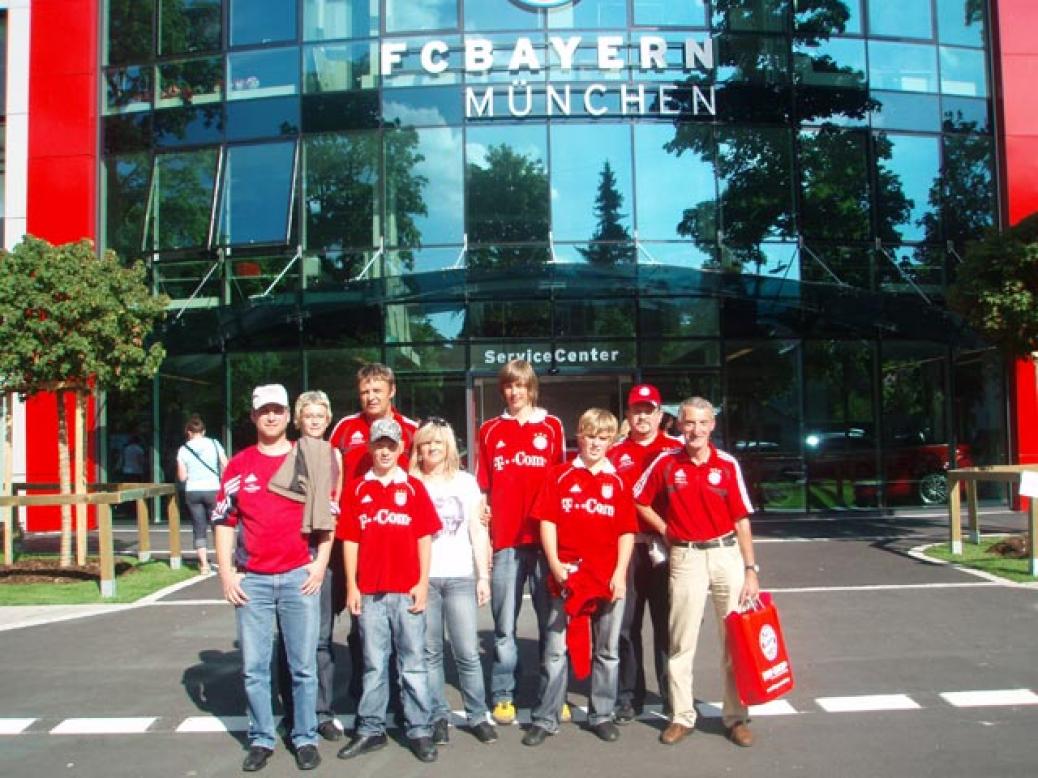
(528, 140)
(667, 184)
(576, 168)
(844, 52)
(329, 19)
(589, 14)
(262, 21)
(915, 161)
(952, 26)
(421, 15)
(901, 18)
(853, 26)
(263, 73)
(256, 193)
(691, 13)
(443, 196)
(500, 15)
(962, 72)
(903, 67)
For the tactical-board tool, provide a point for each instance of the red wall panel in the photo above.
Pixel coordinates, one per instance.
(62, 186)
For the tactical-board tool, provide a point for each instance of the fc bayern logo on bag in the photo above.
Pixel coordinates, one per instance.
(768, 642)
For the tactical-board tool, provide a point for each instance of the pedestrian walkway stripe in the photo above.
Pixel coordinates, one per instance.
(14, 726)
(867, 702)
(104, 726)
(199, 724)
(995, 697)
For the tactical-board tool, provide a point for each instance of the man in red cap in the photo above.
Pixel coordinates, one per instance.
(647, 571)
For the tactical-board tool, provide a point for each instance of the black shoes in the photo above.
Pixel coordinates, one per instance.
(535, 735)
(361, 744)
(625, 713)
(307, 757)
(485, 732)
(328, 730)
(423, 748)
(440, 732)
(256, 759)
(606, 730)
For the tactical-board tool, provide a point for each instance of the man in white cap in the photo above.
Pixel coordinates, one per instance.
(647, 571)
(268, 573)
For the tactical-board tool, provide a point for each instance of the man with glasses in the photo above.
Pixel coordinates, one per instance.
(647, 571)
(268, 574)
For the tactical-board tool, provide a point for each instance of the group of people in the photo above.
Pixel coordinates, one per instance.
(647, 522)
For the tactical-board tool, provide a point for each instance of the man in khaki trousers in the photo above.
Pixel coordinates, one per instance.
(707, 527)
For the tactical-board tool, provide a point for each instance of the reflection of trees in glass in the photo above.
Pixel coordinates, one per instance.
(405, 190)
(610, 224)
(189, 25)
(835, 184)
(962, 197)
(126, 198)
(129, 31)
(183, 185)
(507, 203)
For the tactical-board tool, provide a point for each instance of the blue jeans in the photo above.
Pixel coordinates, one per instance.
(452, 603)
(605, 665)
(385, 624)
(514, 567)
(278, 598)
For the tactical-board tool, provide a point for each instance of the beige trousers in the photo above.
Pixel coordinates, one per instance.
(694, 574)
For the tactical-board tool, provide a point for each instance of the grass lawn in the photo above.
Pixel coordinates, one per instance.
(133, 580)
(981, 558)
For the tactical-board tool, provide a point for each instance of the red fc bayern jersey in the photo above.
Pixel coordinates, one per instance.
(351, 436)
(386, 521)
(590, 512)
(630, 459)
(270, 538)
(702, 501)
(513, 461)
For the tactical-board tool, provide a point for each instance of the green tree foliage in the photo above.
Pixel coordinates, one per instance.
(997, 287)
(73, 321)
(611, 239)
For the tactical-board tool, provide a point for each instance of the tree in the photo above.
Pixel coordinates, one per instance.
(74, 321)
(608, 242)
(996, 290)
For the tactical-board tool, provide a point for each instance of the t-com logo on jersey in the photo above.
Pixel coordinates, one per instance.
(385, 516)
(520, 459)
(590, 505)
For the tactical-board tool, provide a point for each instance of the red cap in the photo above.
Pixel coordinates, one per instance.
(644, 393)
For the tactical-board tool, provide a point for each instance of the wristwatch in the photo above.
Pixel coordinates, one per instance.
(754, 568)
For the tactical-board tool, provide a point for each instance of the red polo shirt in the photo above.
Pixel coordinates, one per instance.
(630, 459)
(590, 511)
(351, 436)
(387, 520)
(514, 458)
(702, 501)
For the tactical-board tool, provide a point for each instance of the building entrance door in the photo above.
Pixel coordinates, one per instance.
(564, 396)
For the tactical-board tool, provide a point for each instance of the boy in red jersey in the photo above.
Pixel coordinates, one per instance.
(272, 577)
(516, 449)
(706, 523)
(386, 532)
(587, 530)
(647, 572)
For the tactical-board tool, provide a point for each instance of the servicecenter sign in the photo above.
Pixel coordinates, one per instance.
(648, 52)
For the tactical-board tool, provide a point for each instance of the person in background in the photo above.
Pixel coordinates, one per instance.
(200, 462)
(516, 450)
(459, 579)
(268, 573)
(587, 529)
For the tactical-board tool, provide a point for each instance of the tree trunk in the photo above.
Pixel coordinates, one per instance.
(63, 479)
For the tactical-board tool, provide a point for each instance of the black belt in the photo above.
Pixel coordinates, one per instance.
(703, 545)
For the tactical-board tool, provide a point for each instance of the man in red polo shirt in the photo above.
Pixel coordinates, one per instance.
(587, 526)
(516, 450)
(711, 552)
(647, 572)
(376, 388)
(387, 543)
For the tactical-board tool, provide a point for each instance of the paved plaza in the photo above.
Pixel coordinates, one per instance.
(903, 668)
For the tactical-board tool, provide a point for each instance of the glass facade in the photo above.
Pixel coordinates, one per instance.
(762, 201)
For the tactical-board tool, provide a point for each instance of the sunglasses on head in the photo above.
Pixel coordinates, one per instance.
(436, 421)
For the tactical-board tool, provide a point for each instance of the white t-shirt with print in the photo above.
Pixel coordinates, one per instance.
(457, 503)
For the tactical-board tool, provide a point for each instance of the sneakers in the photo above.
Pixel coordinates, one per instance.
(504, 712)
(485, 732)
(741, 735)
(565, 714)
(256, 759)
(440, 732)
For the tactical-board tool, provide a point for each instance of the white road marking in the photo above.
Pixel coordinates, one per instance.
(200, 724)
(868, 702)
(104, 726)
(14, 726)
(992, 697)
(712, 710)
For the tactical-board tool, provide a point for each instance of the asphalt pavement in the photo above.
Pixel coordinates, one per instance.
(903, 668)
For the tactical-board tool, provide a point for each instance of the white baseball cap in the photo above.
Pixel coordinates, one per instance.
(269, 394)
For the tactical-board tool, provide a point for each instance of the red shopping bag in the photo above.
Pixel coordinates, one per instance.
(759, 658)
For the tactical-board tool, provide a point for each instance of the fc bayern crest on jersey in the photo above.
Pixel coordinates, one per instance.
(607, 491)
(400, 498)
(540, 441)
(714, 477)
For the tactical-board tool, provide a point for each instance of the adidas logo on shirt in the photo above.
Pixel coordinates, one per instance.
(500, 444)
(575, 489)
(367, 499)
